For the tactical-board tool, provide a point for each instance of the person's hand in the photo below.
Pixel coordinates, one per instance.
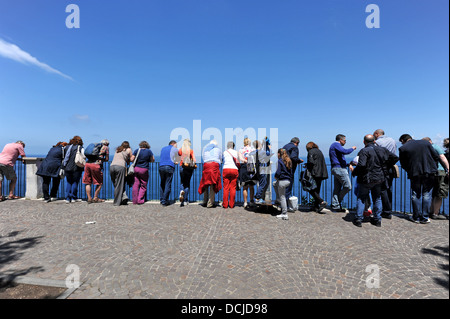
(354, 147)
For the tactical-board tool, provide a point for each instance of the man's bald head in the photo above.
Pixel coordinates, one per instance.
(369, 139)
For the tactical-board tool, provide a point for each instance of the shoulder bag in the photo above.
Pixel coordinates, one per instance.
(80, 159)
(131, 168)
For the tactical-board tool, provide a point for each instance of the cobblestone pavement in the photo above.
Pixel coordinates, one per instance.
(151, 251)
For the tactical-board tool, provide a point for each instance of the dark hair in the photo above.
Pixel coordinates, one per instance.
(123, 147)
(295, 140)
(311, 145)
(256, 144)
(230, 145)
(340, 137)
(446, 142)
(76, 140)
(405, 137)
(172, 142)
(144, 144)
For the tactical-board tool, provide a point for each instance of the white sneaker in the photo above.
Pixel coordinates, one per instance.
(245, 205)
(53, 199)
(283, 216)
(78, 200)
(67, 201)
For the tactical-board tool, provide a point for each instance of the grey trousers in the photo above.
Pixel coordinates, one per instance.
(280, 191)
(118, 175)
(209, 196)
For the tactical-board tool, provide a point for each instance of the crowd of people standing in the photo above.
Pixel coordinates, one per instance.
(249, 169)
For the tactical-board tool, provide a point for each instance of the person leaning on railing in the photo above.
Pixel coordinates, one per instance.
(141, 174)
(8, 158)
(211, 182)
(187, 167)
(118, 172)
(49, 170)
(283, 177)
(318, 168)
(93, 172)
(230, 173)
(419, 159)
(168, 160)
(72, 171)
(342, 184)
(440, 188)
(247, 177)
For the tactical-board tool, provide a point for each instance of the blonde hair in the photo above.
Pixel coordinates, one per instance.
(247, 141)
(186, 148)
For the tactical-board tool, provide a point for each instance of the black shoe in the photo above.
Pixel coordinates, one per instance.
(386, 215)
(375, 222)
(321, 207)
(357, 223)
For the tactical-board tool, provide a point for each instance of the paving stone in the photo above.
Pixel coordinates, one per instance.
(151, 251)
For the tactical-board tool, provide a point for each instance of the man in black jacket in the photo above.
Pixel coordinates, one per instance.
(292, 150)
(371, 173)
(419, 159)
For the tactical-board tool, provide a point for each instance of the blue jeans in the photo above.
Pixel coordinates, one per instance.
(166, 173)
(421, 195)
(342, 186)
(185, 177)
(72, 181)
(363, 195)
(263, 182)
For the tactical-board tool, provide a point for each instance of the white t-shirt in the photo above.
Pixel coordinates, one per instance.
(228, 162)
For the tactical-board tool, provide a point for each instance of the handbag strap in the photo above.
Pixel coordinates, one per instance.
(135, 160)
(234, 159)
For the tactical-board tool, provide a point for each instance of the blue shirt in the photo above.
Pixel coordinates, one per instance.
(212, 153)
(337, 155)
(440, 151)
(167, 156)
(145, 156)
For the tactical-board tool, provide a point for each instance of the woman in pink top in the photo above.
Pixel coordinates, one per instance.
(8, 158)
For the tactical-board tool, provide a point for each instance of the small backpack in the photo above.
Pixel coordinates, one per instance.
(93, 150)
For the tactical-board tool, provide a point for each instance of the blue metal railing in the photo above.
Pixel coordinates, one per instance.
(401, 190)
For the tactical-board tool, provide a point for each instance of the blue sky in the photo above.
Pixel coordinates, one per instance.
(135, 70)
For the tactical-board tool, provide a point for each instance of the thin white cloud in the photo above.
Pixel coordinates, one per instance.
(80, 119)
(13, 52)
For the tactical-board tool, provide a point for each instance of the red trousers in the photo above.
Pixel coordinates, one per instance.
(229, 187)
